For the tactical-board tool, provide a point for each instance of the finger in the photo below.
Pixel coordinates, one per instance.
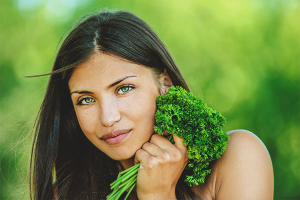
(141, 156)
(161, 142)
(153, 149)
(179, 143)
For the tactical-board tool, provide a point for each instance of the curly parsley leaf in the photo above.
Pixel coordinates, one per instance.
(181, 113)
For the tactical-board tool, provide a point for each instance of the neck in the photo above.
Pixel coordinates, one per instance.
(127, 163)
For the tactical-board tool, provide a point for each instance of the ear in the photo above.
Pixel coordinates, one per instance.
(166, 82)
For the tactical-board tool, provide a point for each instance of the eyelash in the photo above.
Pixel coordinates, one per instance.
(123, 86)
(82, 99)
(119, 88)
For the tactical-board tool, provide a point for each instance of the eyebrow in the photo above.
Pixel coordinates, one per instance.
(110, 86)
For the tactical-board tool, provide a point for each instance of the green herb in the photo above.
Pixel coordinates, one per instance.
(181, 113)
(188, 117)
(125, 182)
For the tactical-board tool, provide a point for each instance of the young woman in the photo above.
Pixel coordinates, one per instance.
(97, 119)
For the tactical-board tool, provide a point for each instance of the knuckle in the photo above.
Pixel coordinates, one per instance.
(152, 163)
(166, 157)
(178, 156)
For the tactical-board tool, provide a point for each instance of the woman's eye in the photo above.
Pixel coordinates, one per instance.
(124, 89)
(85, 101)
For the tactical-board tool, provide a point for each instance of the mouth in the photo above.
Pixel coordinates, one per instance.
(115, 137)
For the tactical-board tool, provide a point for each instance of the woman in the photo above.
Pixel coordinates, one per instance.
(97, 119)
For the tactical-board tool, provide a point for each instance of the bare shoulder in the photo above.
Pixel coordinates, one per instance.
(245, 169)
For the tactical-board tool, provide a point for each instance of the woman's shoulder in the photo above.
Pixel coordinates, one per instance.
(244, 171)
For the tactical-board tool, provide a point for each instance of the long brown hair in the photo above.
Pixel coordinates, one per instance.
(82, 170)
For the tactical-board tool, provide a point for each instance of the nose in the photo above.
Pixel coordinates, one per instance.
(109, 113)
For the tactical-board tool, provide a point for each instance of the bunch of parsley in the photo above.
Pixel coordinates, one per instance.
(181, 113)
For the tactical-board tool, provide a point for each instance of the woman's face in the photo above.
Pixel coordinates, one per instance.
(115, 103)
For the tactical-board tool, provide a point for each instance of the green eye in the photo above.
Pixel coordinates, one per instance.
(125, 89)
(85, 101)
(88, 100)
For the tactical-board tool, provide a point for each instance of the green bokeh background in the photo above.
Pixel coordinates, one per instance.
(241, 56)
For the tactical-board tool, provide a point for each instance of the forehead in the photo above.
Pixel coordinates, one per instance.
(103, 69)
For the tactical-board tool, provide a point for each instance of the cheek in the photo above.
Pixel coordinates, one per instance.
(87, 119)
(141, 109)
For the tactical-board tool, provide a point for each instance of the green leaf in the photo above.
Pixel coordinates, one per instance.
(182, 113)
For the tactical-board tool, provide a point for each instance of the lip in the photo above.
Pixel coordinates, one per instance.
(116, 136)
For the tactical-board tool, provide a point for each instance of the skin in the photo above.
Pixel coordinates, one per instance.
(243, 172)
(131, 105)
(101, 109)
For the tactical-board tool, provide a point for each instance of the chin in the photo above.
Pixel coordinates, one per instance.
(123, 155)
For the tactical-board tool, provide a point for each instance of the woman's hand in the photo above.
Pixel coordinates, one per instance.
(161, 165)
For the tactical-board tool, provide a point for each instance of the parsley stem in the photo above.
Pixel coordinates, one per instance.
(129, 191)
(125, 181)
(131, 168)
(127, 171)
(112, 194)
(128, 181)
(120, 192)
(127, 175)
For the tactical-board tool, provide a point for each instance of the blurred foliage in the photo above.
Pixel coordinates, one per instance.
(241, 56)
